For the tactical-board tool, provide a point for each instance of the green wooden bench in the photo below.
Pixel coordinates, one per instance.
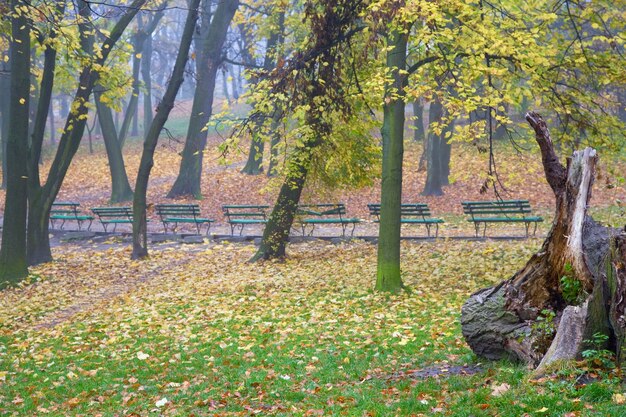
(173, 214)
(64, 211)
(413, 213)
(114, 216)
(320, 214)
(501, 211)
(244, 215)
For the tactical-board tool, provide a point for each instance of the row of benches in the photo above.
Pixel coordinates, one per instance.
(309, 216)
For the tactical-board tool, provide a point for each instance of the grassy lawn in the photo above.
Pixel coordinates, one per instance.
(197, 331)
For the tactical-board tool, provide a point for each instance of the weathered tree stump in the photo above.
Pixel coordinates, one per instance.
(533, 316)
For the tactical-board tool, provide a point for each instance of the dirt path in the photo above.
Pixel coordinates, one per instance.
(94, 300)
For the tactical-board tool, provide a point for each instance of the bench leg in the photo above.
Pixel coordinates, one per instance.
(104, 225)
(353, 229)
(198, 227)
(241, 230)
(485, 229)
(476, 228)
(232, 229)
(535, 231)
(527, 226)
(427, 229)
(208, 228)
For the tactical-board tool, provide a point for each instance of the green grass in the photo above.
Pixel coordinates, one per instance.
(304, 337)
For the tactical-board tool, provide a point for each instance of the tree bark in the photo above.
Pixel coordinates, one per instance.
(434, 150)
(13, 266)
(5, 103)
(501, 321)
(276, 233)
(41, 200)
(388, 276)
(139, 40)
(120, 187)
(140, 235)
(189, 176)
(146, 76)
(254, 164)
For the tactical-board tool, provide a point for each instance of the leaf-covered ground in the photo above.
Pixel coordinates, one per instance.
(88, 182)
(197, 331)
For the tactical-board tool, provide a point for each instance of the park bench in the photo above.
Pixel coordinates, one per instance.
(501, 211)
(173, 214)
(68, 211)
(320, 214)
(114, 216)
(414, 213)
(244, 215)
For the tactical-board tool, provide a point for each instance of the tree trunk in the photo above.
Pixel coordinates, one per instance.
(140, 235)
(501, 321)
(388, 276)
(69, 142)
(419, 134)
(254, 164)
(5, 103)
(139, 41)
(120, 187)
(276, 234)
(146, 76)
(13, 266)
(53, 139)
(38, 245)
(188, 181)
(434, 178)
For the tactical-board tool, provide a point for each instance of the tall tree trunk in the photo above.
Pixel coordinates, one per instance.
(41, 202)
(120, 187)
(388, 276)
(500, 321)
(5, 103)
(225, 86)
(254, 164)
(419, 134)
(435, 149)
(146, 76)
(139, 41)
(13, 266)
(274, 144)
(276, 234)
(188, 181)
(53, 139)
(140, 234)
(37, 232)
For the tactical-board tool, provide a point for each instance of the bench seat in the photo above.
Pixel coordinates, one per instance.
(411, 213)
(173, 214)
(328, 213)
(500, 211)
(65, 211)
(241, 215)
(505, 219)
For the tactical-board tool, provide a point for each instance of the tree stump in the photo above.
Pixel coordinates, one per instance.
(573, 288)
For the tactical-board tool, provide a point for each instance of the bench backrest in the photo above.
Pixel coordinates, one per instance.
(245, 211)
(500, 207)
(406, 210)
(179, 210)
(64, 208)
(113, 212)
(321, 210)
